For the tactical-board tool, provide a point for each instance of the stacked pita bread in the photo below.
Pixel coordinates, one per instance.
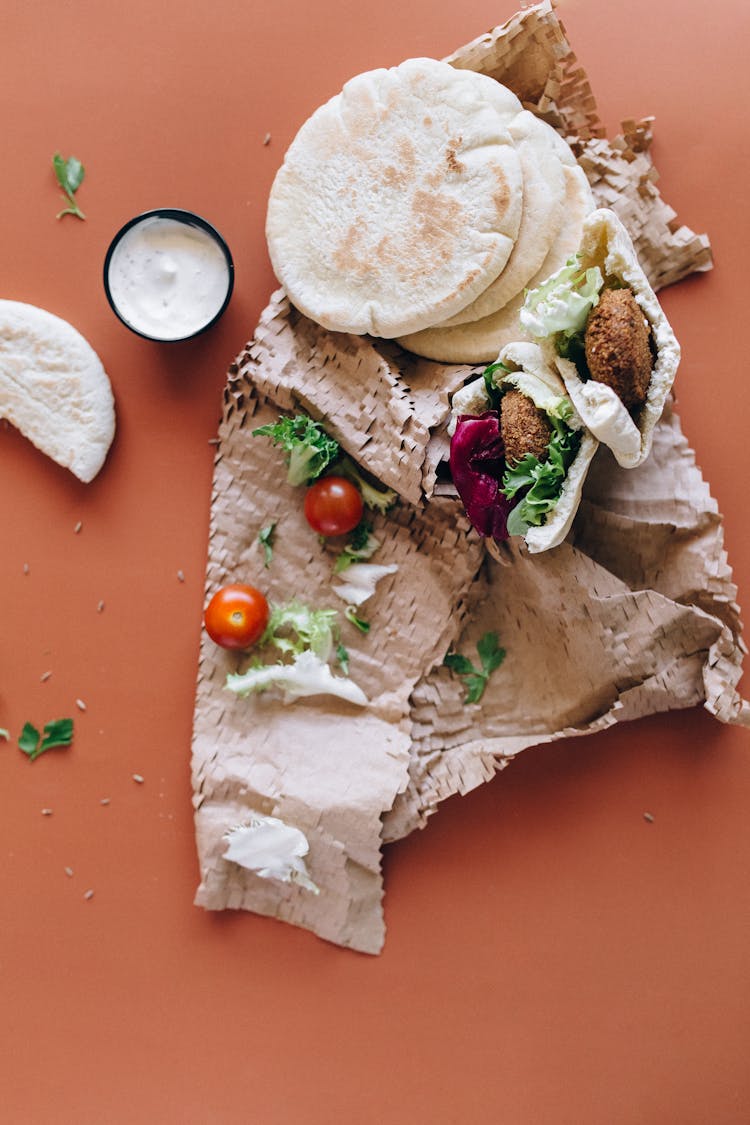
(418, 204)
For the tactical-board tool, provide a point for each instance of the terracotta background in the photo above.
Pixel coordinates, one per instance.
(552, 958)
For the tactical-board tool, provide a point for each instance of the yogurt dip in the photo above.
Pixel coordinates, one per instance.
(168, 275)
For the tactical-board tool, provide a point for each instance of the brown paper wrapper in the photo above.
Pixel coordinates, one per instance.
(633, 614)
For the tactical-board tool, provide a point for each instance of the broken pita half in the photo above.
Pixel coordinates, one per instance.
(54, 389)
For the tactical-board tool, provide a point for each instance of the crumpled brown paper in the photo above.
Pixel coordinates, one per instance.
(633, 614)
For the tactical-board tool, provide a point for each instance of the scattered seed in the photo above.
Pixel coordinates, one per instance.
(88, 894)
(46, 812)
(80, 705)
(45, 676)
(649, 817)
(78, 527)
(137, 777)
(104, 801)
(68, 871)
(181, 575)
(213, 441)
(267, 139)
(100, 607)
(26, 568)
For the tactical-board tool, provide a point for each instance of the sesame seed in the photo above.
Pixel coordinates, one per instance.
(88, 894)
(104, 801)
(68, 871)
(213, 441)
(78, 527)
(137, 777)
(80, 705)
(45, 676)
(26, 568)
(46, 812)
(181, 575)
(649, 817)
(267, 139)
(100, 607)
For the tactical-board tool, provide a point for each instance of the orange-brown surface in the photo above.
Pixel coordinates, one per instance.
(553, 957)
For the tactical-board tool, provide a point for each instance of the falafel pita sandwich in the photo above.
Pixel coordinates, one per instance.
(599, 323)
(519, 450)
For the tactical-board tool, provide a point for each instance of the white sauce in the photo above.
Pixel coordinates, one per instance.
(168, 278)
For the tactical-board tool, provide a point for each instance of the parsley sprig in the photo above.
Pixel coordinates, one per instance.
(69, 175)
(59, 732)
(475, 680)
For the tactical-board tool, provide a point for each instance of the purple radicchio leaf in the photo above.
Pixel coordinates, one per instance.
(477, 462)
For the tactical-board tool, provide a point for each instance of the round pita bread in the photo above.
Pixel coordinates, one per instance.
(544, 155)
(54, 389)
(481, 340)
(399, 200)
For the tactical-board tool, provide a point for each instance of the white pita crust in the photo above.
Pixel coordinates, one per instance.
(399, 200)
(54, 389)
(606, 243)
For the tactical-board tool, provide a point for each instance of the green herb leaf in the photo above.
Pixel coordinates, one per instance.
(28, 740)
(342, 656)
(459, 664)
(475, 680)
(69, 175)
(265, 538)
(57, 733)
(475, 685)
(350, 613)
(490, 653)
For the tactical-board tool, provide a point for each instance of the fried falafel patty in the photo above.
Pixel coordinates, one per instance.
(523, 427)
(617, 343)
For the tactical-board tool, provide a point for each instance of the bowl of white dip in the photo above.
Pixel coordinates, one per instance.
(168, 274)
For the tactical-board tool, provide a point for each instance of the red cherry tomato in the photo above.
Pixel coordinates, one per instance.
(236, 616)
(333, 506)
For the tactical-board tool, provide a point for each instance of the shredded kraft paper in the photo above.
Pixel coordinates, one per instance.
(634, 614)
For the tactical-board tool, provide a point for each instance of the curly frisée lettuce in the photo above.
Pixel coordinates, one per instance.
(539, 483)
(561, 305)
(310, 637)
(295, 627)
(308, 447)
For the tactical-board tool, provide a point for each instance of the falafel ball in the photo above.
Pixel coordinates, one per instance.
(523, 427)
(617, 343)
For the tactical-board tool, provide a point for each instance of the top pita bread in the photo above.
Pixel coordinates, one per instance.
(399, 200)
(54, 389)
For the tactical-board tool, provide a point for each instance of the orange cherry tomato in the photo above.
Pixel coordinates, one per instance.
(236, 616)
(333, 506)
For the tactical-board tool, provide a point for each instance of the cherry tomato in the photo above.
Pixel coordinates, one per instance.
(333, 506)
(236, 616)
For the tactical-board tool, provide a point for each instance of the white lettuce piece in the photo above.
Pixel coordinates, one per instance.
(306, 675)
(563, 302)
(359, 580)
(271, 849)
